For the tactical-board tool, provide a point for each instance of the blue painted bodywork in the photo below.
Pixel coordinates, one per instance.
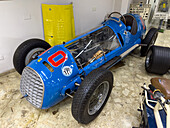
(56, 84)
(150, 117)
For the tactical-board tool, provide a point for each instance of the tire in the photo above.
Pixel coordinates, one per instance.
(158, 60)
(149, 41)
(82, 108)
(28, 51)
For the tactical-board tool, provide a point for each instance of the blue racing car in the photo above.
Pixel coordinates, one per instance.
(50, 74)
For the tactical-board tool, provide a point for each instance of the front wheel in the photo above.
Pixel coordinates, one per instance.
(28, 51)
(92, 95)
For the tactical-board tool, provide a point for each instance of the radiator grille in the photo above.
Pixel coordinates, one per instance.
(32, 86)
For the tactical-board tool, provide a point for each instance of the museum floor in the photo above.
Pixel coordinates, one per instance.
(119, 112)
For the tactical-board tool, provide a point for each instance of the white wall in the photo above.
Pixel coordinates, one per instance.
(19, 20)
(117, 5)
(90, 13)
(22, 19)
(122, 6)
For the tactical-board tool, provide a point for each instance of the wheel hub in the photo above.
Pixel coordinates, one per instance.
(98, 97)
(148, 58)
(33, 55)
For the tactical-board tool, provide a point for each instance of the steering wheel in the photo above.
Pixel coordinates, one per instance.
(119, 17)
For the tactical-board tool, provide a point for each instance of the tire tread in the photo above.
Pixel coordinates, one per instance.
(84, 91)
(22, 51)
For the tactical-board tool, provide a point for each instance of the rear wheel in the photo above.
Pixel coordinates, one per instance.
(28, 51)
(149, 41)
(92, 95)
(158, 60)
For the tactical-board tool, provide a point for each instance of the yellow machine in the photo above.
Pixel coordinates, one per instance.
(58, 23)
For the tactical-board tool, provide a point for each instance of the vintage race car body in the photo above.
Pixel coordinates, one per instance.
(46, 80)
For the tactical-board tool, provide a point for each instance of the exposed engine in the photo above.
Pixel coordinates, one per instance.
(93, 46)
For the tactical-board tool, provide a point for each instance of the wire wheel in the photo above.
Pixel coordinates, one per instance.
(98, 97)
(92, 95)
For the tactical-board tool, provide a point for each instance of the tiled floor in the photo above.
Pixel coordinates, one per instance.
(119, 112)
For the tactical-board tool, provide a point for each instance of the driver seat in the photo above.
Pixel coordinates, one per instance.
(130, 21)
(163, 85)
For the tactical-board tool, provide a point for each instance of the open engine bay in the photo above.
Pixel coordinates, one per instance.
(93, 46)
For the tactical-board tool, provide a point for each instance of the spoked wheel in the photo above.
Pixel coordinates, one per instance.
(28, 51)
(92, 95)
(98, 97)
